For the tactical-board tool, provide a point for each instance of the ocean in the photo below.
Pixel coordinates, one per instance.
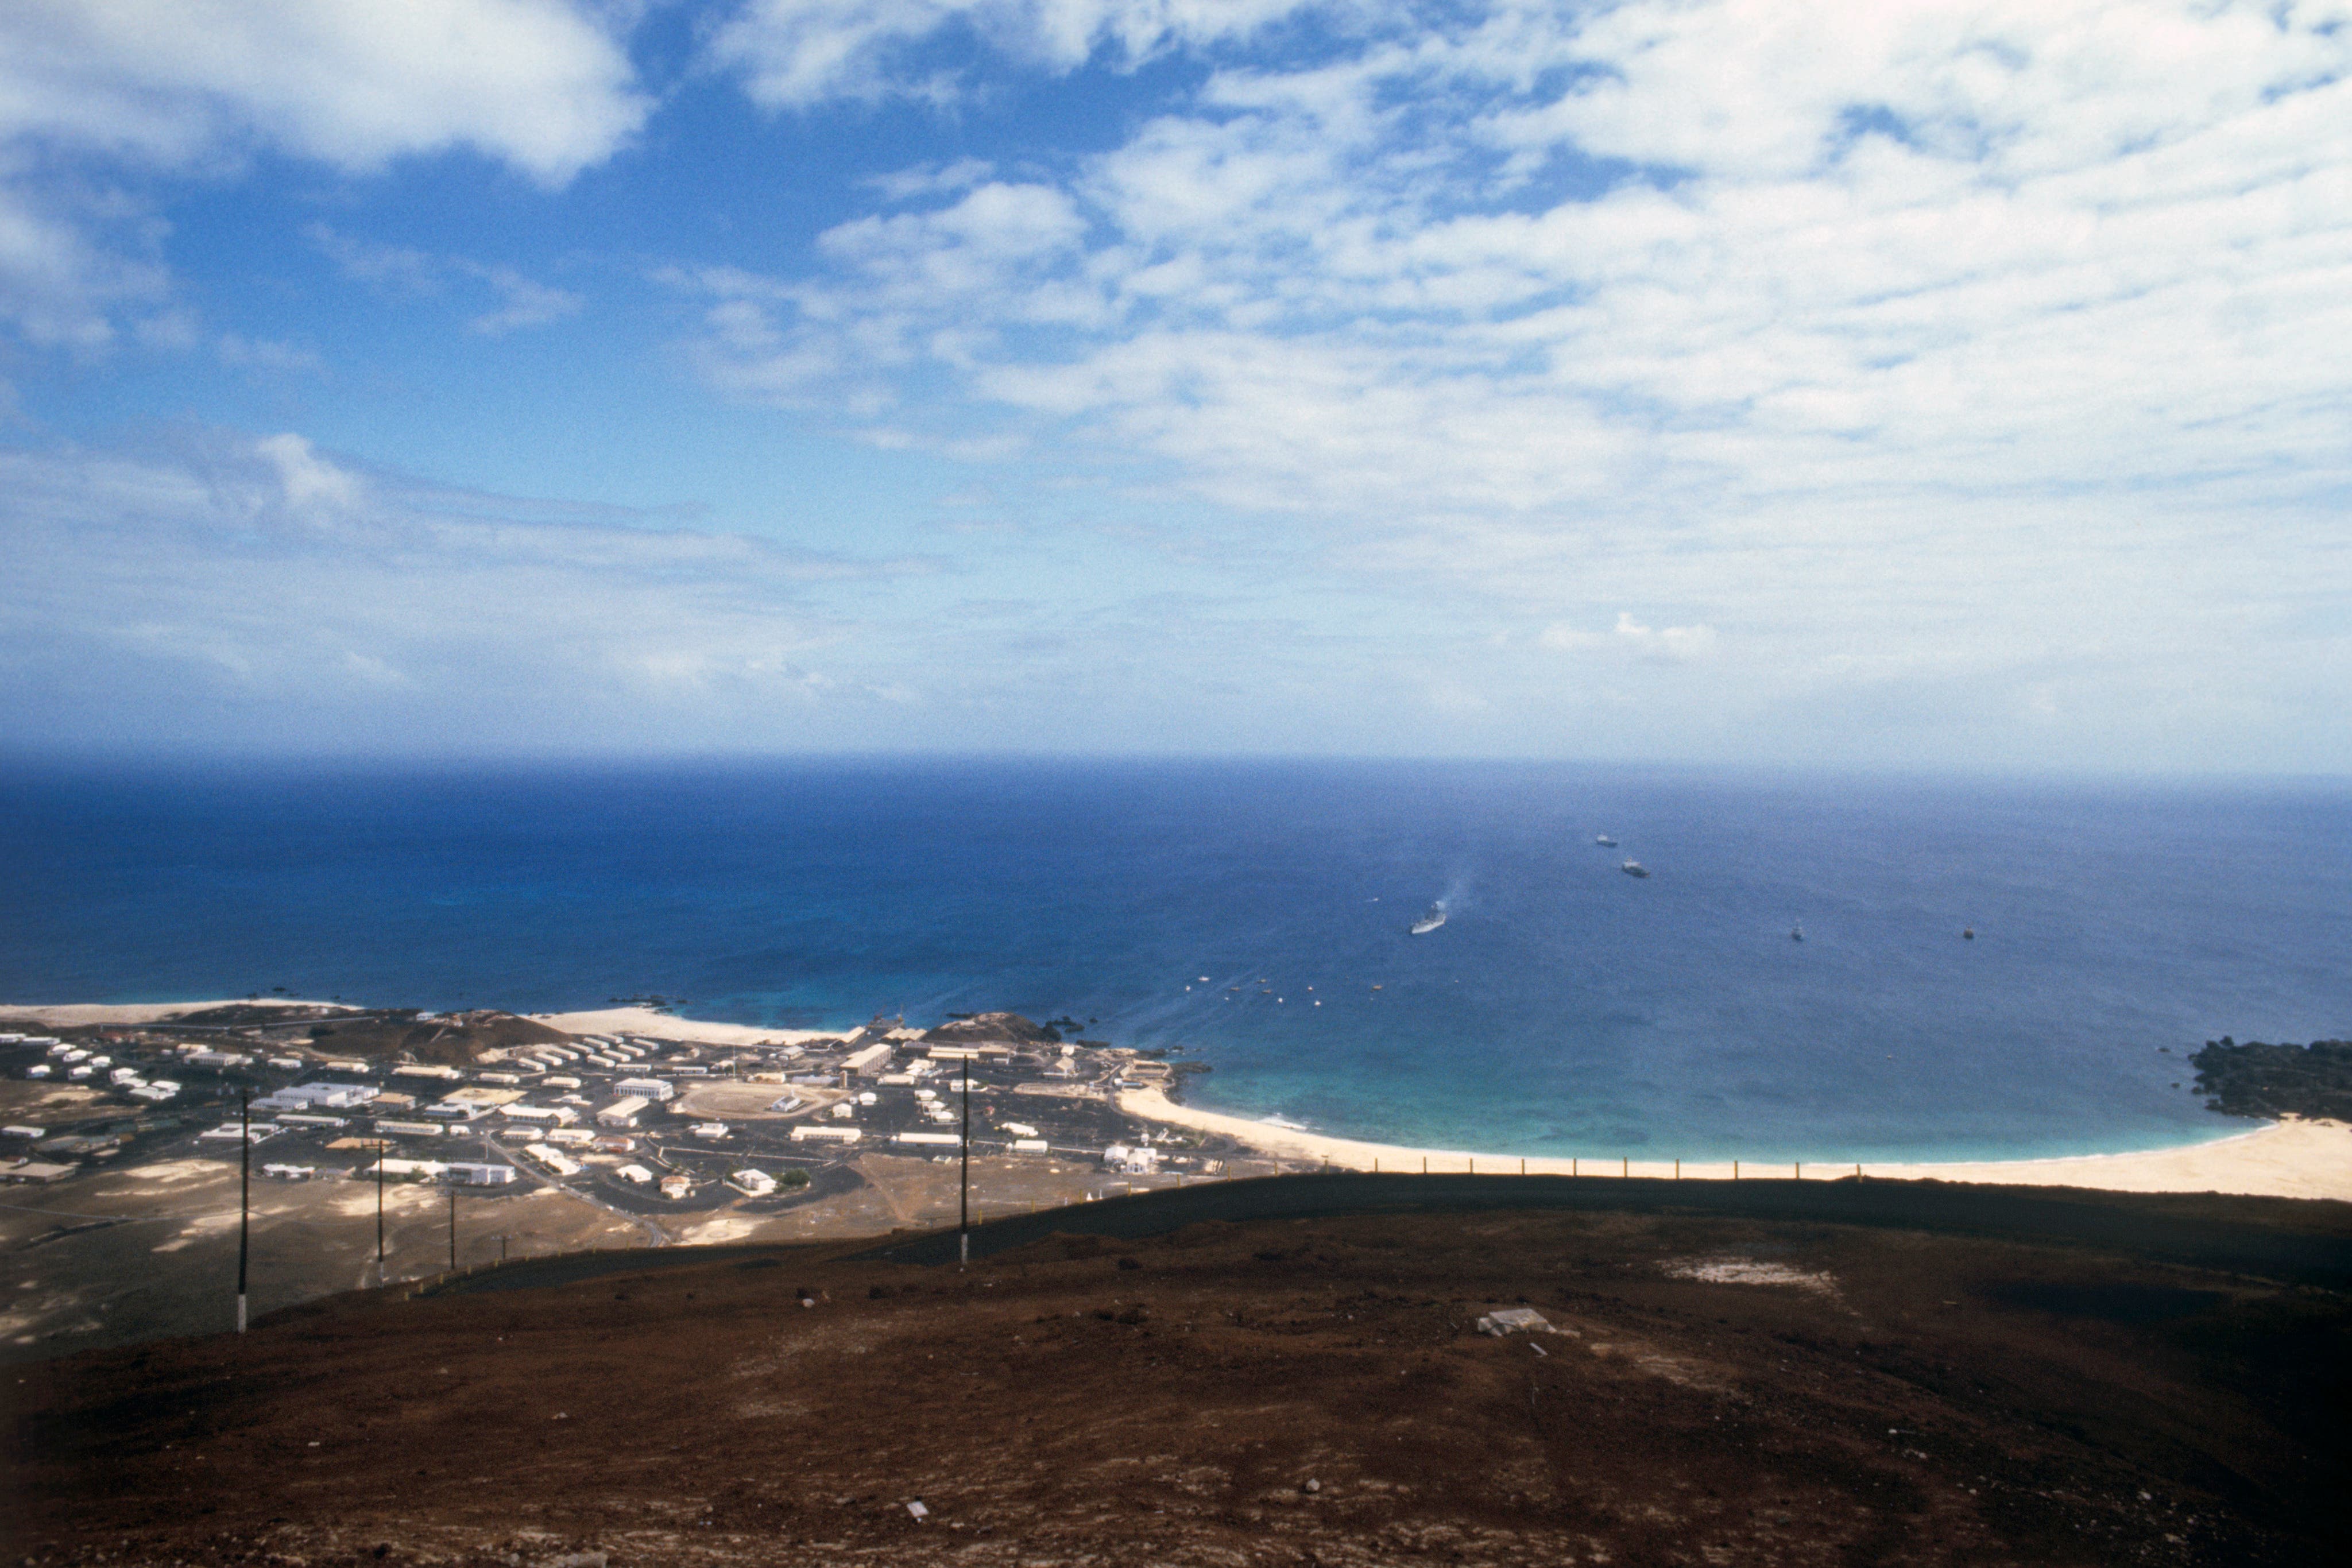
(1255, 915)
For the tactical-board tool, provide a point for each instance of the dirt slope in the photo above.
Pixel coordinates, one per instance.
(1304, 1391)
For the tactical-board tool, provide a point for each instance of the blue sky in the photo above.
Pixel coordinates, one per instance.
(1919, 385)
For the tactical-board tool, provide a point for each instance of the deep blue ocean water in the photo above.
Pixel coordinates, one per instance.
(1563, 1008)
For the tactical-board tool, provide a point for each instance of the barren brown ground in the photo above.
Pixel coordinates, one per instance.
(1722, 1391)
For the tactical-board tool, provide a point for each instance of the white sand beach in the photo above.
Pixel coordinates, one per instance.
(2288, 1158)
(663, 1026)
(67, 1015)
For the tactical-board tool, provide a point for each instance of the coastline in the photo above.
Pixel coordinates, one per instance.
(2291, 1157)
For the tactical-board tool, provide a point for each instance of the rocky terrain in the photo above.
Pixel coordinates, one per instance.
(2259, 1080)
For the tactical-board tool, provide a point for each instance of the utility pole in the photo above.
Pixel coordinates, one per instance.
(244, 1194)
(452, 1228)
(963, 1233)
(379, 1211)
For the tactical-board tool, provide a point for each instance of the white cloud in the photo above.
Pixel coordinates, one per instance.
(1652, 644)
(95, 94)
(257, 589)
(1662, 260)
(538, 84)
(797, 53)
(1930, 355)
(522, 301)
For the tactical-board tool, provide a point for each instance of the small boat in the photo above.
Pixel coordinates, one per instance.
(1796, 934)
(1967, 934)
(1604, 840)
(1634, 868)
(1431, 919)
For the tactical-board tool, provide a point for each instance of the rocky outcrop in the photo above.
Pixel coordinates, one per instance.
(2259, 1080)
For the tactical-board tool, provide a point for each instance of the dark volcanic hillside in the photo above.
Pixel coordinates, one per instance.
(1306, 1391)
(450, 1038)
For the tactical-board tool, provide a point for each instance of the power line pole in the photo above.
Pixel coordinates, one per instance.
(452, 1228)
(379, 1211)
(243, 1195)
(963, 1232)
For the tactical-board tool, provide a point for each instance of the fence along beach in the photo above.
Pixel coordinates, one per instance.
(2292, 1157)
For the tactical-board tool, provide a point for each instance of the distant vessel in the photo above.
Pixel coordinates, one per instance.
(1604, 840)
(1431, 919)
(1796, 934)
(1969, 934)
(1634, 868)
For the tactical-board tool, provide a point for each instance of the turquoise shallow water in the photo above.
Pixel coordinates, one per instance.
(1564, 1008)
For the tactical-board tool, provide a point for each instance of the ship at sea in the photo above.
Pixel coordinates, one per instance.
(1604, 840)
(1431, 919)
(1634, 868)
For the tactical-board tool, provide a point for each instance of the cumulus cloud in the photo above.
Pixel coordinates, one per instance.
(1659, 259)
(95, 94)
(540, 85)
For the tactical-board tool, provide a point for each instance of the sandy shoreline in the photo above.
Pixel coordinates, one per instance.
(2291, 1158)
(663, 1026)
(600, 1021)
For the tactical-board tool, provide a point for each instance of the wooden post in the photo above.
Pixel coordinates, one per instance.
(1523, 1165)
(244, 1194)
(1572, 1163)
(452, 1228)
(1473, 1164)
(1625, 1164)
(1678, 1170)
(963, 1230)
(1735, 1170)
(1799, 1166)
(1424, 1165)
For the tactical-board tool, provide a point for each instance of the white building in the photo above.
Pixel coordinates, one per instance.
(646, 1089)
(1141, 1159)
(807, 1134)
(757, 1184)
(320, 1097)
(622, 1113)
(554, 1159)
(481, 1174)
(873, 1059)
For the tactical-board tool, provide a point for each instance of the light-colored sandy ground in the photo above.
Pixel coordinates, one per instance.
(2290, 1158)
(662, 1026)
(71, 1013)
(603, 1021)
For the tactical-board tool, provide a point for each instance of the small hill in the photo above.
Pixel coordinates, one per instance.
(450, 1040)
(1007, 1027)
